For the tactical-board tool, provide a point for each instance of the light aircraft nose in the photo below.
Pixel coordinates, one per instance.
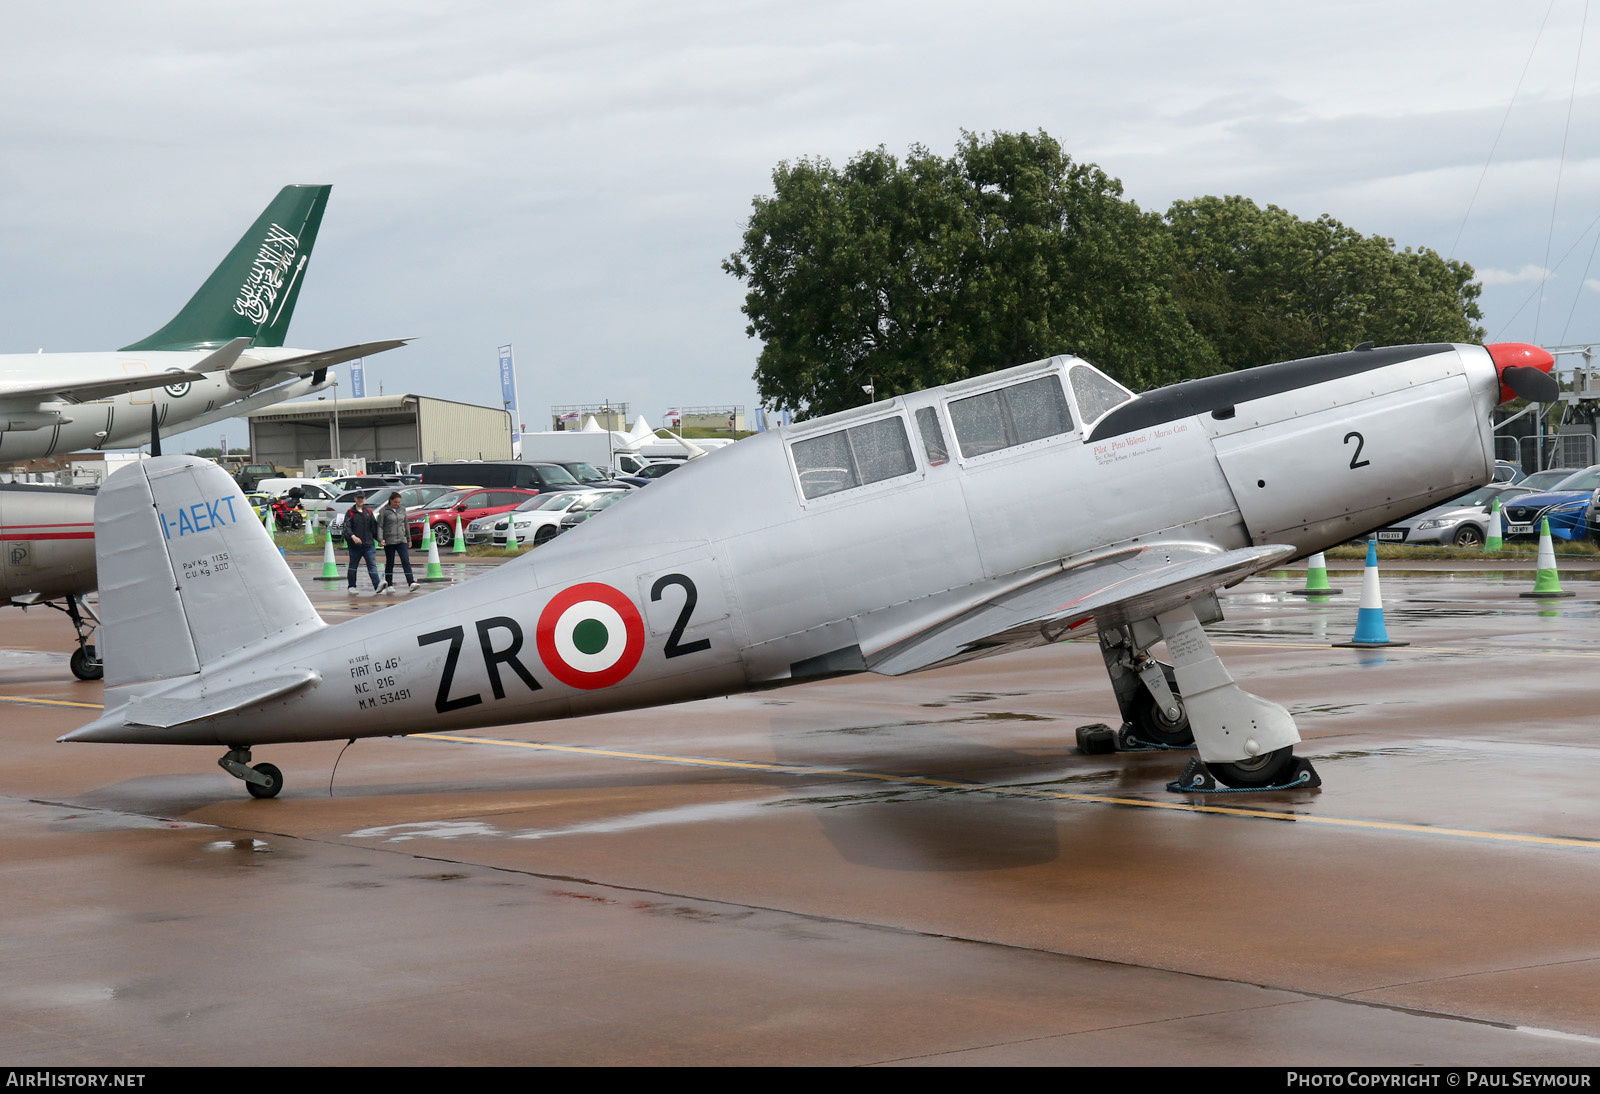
(1524, 371)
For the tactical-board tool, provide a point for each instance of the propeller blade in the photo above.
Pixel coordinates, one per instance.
(1531, 384)
(155, 433)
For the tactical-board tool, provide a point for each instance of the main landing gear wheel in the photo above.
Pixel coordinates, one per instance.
(1268, 769)
(1153, 724)
(274, 782)
(85, 665)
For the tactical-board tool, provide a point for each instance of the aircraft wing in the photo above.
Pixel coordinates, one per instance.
(103, 387)
(1133, 583)
(251, 371)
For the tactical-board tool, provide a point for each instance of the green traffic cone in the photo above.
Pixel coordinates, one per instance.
(459, 547)
(512, 546)
(435, 572)
(1492, 540)
(330, 568)
(1547, 585)
(1316, 578)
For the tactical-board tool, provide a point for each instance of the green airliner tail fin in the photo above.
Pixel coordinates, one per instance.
(251, 294)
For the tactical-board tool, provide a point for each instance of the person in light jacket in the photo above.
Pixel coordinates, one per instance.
(394, 532)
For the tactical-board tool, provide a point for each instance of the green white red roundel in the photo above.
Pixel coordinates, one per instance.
(590, 636)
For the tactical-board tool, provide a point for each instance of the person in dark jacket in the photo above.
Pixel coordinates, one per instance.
(361, 536)
(394, 532)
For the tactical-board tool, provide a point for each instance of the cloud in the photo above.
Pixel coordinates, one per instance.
(1525, 276)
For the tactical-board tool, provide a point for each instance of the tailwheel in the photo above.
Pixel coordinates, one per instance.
(262, 780)
(273, 784)
(86, 664)
(1268, 769)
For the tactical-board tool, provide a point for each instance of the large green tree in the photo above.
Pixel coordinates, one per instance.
(1263, 285)
(924, 272)
(921, 272)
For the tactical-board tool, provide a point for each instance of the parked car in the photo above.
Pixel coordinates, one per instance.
(590, 476)
(1459, 522)
(1547, 479)
(538, 519)
(467, 505)
(650, 472)
(1565, 505)
(411, 497)
(514, 474)
(582, 511)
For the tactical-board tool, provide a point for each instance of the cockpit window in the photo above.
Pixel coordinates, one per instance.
(1096, 392)
(1010, 416)
(932, 436)
(853, 457)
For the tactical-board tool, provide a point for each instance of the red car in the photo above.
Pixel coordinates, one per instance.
(468, 505)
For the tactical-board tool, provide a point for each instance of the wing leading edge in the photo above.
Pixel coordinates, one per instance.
(1134, 583)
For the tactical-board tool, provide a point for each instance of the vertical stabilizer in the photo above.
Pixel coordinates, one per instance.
(251, 294)
(187, 572)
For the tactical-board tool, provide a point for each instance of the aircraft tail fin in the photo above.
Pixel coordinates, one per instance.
(188, 574)
(252, 292)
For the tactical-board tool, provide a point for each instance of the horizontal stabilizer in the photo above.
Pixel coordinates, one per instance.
(188, 703)
(110, 384)
(1134, 583)
(249, 371)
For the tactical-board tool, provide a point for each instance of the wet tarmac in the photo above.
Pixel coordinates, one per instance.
(919, 870)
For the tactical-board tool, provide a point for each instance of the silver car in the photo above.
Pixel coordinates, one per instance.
(1460, 522)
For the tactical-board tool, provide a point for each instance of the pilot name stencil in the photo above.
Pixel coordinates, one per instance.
(1136, 444)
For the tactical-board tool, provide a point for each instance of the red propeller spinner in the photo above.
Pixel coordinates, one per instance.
(1524, 371)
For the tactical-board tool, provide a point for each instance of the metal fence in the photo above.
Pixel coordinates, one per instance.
(1564, 450)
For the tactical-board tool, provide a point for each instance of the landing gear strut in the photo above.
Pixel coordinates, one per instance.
(85, 661)
(1245, 742)
(262, 780)
(1147, 690)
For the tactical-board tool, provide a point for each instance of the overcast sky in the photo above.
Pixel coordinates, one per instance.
(567, 177)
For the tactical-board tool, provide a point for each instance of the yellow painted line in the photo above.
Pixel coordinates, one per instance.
(1029, 792)
(48, 702)
(948, 784)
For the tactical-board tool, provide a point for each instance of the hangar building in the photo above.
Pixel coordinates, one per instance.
(405, 428)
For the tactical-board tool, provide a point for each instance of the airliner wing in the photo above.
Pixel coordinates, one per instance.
(1133, 583)
(250, 371)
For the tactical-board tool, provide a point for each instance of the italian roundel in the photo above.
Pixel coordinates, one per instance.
(590, 636)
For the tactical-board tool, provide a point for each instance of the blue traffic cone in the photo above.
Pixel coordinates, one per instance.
(1370, 631)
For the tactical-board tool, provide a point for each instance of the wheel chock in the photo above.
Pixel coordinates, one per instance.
(1197, 780)
(1096, 739)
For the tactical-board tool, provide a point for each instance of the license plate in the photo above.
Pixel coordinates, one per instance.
(1392, 535)
(1519, 529)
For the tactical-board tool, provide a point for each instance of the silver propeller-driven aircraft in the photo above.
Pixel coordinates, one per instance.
(1000, 512)
(218, 358)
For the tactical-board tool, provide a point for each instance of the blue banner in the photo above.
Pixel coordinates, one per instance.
(358, 378)
(508, 394)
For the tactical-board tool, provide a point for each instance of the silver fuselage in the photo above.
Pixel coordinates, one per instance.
(784, 587)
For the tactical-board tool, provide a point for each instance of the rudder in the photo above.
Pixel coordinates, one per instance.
(187, 572)
(252, 292)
